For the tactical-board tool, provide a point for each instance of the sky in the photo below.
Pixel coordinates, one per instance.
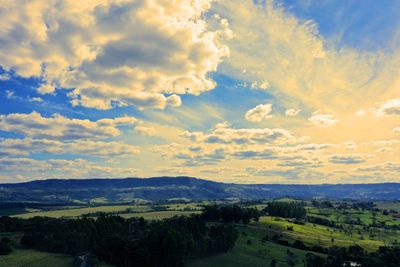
(284, 91)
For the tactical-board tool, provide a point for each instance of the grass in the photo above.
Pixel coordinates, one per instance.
(259, 253)
(33, 258)
(183, 206)
(142, 209)
(365, 216)
(312, 234)
(255, 254)
(388, 205)
(158, 215)
(75, 212)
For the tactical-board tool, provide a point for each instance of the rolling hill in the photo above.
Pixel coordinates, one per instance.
(164, 188)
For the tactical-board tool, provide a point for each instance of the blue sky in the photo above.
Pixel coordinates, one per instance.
(237, 91)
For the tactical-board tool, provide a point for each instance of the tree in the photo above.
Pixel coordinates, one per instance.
(291, 259)
(313, 260)
(5, 246)
(286, 209)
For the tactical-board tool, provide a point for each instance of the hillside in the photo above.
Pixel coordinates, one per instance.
(163, 188)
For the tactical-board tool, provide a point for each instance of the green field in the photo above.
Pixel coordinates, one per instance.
(134, 211)
(388, 205)
(158, 215)
(312, 234)
(257, 253)
(75, 212)
(356, 228)
(33, 258)
(366, 217)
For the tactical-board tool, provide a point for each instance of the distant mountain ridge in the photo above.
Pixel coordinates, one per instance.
(164, 188)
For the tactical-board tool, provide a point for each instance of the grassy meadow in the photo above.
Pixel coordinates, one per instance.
(256, 246)
(127, 211)
(250, 250)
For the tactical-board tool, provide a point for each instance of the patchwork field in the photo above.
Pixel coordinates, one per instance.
(158, 215)
(126, 211)
(250, 250)
(257, 244)
(314, 234)
(75, 212)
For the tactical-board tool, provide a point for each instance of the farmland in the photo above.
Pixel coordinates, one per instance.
(126, 211)
(261, 242)
(256, 253)
(34, 258)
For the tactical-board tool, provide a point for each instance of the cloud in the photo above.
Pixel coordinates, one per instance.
(285, 173)
(301, 66)
(10, 94)
(35, 99)
(46, 89)
(58, 127)
(223, 133)
(264, 85)
(256, 154)
(132, 52)
(305, 163)
(396, 130)
(174, 100)
(26, 168)
(174, 171)
(349, 158)
(323, 120)
(224, 143)
(390, 107)
(292, 112)
(259, 113)
(4, 77)
(149, 131)
(207, 157)
(28, 146)
(393, 167)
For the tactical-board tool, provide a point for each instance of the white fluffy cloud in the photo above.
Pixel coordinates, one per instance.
(58, 127)
(390, 107)
(323, 120)
(259, 113)
(225, 134)
(19, 147)
(113, 52)
(27, 168)
(61, 135)
(264, 85)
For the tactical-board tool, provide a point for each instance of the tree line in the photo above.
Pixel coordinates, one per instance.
(230, 214)
(134, 241)
(290, 209)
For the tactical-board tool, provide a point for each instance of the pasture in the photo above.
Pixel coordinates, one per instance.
(250, 250)
(127, 211)
(256, 245)
(159, 215)
(75, 212)
(34, 258)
